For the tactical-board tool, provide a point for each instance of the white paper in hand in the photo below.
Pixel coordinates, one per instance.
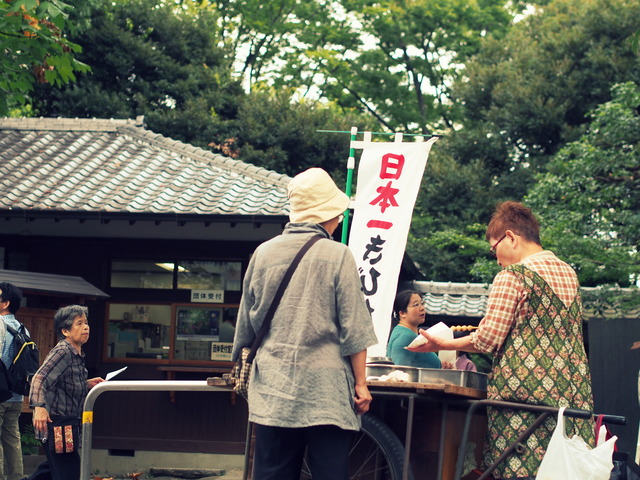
(416, 342)
(440, 329)
(110, 375)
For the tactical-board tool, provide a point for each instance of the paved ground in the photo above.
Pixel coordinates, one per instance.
(32, 461)
(233, 474)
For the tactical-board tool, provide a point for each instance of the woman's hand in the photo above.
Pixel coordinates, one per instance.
(41, 419)
(433, 344)
(362, 399)
(92, 382)
(448, 365)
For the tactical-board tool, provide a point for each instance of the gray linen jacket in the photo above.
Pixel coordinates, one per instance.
(302, 372)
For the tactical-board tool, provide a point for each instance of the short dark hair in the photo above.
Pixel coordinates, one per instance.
(402, 300)
(64, 317)
(401, 304)
(516, 217)
(12, 294)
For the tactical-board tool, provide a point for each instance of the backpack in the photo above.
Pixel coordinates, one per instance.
(25, 363)
(5, 391)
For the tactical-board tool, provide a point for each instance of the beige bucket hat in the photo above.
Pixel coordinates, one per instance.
(315, 198)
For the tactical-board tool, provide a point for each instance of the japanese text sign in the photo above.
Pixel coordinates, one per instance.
(207, 296)
(389, 177)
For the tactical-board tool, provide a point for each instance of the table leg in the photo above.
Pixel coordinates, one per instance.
(407, 440)
(443, 428)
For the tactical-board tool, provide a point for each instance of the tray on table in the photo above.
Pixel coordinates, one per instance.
(438, 376)
(461, 378)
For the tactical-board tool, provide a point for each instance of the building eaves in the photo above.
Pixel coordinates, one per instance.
(45, 283)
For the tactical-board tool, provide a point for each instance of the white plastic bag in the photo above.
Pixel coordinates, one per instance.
(572, 459)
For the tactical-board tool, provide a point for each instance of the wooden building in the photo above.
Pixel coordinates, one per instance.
(163, 232)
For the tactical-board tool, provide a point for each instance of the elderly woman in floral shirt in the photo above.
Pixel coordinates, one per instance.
(533, 328)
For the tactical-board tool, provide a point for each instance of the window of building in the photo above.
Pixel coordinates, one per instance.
(203, 332)
(142, 274)
(138, 331)
(189, 275)
(210, 275)
(175, 332)
(163, 327)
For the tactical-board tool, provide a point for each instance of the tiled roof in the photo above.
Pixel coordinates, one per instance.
(117, 166)
(453, 299)
(470, 299)
(455, 305)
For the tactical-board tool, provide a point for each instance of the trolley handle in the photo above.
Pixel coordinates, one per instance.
(530, 407)
(586, 414)
(614, 419)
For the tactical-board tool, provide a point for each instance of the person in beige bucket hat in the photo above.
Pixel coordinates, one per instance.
(308, 382)
(315, 198)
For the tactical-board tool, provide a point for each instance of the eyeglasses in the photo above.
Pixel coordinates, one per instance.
(415, 305)
(492, 250)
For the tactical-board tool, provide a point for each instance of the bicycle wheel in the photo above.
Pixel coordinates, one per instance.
(376, 453)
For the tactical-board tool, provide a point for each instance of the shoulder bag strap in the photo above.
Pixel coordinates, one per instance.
(266, 323)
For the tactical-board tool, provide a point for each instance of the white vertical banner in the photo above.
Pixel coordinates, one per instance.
(388, 181)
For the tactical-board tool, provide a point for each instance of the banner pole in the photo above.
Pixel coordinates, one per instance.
(351, 165)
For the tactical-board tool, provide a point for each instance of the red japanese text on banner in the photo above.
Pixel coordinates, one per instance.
(389, 177)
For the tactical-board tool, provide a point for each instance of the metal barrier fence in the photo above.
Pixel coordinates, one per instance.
(146, 385)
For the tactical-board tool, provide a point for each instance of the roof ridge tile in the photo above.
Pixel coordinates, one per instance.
(205, 155)
(64, 124)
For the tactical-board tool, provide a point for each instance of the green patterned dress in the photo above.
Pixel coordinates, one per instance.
(542, 361)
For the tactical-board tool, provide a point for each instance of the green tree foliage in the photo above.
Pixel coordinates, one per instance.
(268, 40)
(531, 90)
(447, 229)
(173, 65)
(588, 199)
(408, 55)
(394, 60)
(634, 42)
(154, 60)
(524, 97)
(34, 49)
(274, 132)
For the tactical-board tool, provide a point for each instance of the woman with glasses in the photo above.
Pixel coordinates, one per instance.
(408, 314)
(533, 328)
